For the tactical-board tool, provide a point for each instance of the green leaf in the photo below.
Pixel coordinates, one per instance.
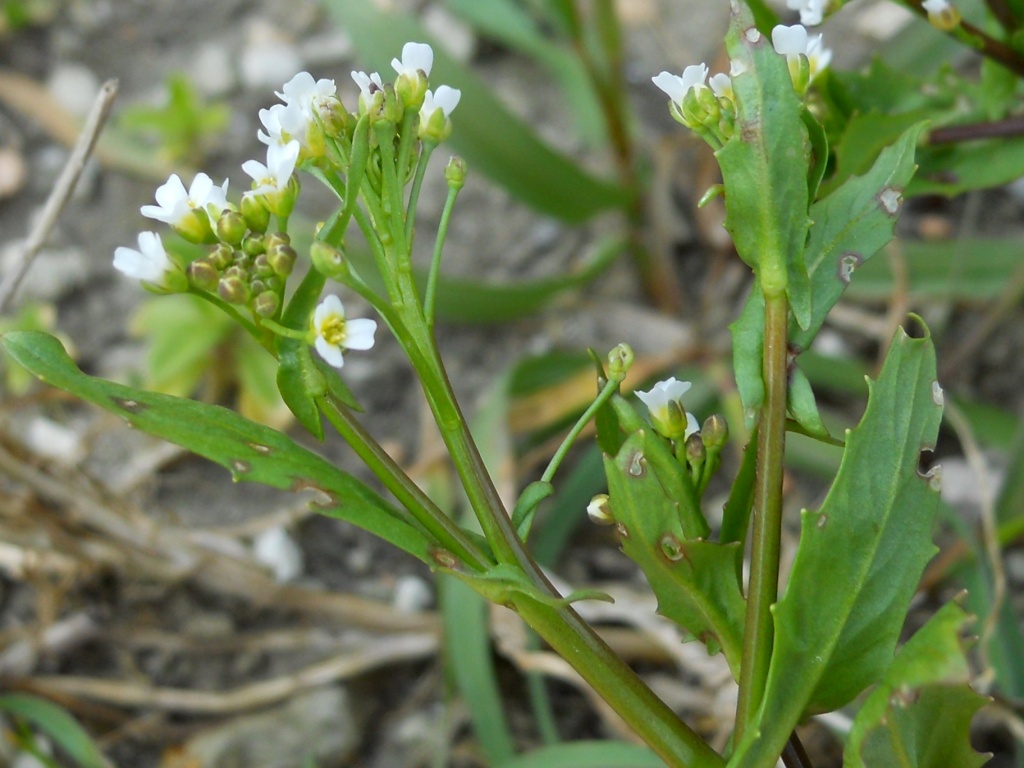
(506, 584)
(251, 452)
(952, 169)
(56, 723)
(696, 582)
(587, 754)
(526, 506)
(974, 270)
(489, 136)
(859, 559)
(766, 198)
(920, 715)
(747, 352)
(851, 225)
(298, 379)
(864, 139)
(470, 659)
(802, 405)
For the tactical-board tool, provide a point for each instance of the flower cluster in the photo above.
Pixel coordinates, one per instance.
(247, 263)
(707, 106)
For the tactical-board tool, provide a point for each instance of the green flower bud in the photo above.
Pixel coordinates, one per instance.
(233, 290)
(254, 245)
(455, 172)
(328, 260)
(695, 450)
(620, 360)
(282, 259)
(231, 227)
(266, 304)
(202, 274)
(334, 117)
(715, 432)
(274, 239)
(261, 266)
(221, 256)
(256, 215)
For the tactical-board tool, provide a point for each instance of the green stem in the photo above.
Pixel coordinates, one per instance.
(417, 184)
(610, 388)
(762, 590)
(434, 521)
(435, 262)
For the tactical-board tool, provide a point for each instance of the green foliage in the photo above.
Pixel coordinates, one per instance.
(922, 709)
(184, 128)
(30, 317)
(193, 347)
(838, 622)
(57, 724)
(766, 204)
(250, 451)
(696, 581)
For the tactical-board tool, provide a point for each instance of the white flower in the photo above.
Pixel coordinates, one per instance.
(721, 84)
(150, 263)
(416, 58)
(677, 86)
(368, 85)
(664, 403)
(792, 42)
(935, 7)
(811, 11)
(305, 93)
(175, 203)
(444, 99)
(334, 332)
(942, 14)
(274, 176)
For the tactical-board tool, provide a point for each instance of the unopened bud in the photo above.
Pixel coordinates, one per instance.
(261, 266)
(221, 256)
(695, 450)
(620, 360)
(255, 213)
(282, 259)
(328, 260)
(455, 172)
(715, 432)
(233, 290)
(942, 14)
(274, 239)
(599, 510)
(203, 275)
(334, 117)
(266, 304)
(254, 245)
(231, 227)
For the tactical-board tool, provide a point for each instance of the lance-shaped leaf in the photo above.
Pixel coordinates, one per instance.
(920, 714)
(250, 451)
(696, 582)
(859, 559)
(764, 166)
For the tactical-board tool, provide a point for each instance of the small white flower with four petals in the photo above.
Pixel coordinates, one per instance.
(416, 58)
(274, 176)
(664, 403)
(175, 203)
(437, 108)
(335, 332)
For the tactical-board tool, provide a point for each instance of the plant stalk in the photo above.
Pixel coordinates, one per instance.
(763, 587)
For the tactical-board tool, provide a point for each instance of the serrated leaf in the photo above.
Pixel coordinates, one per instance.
(859, 559)
(489, 136)
(766, 200)
(696, 582)
(251, 452)
(920, 715)
(851, 225)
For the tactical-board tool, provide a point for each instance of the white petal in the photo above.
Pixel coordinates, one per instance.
(171, 192)
(359, 333)
(330, 306)
(447, 99)
(694, 75)
(415, 57)
(200, 189)
(721, 84)
(329, 352)
(790, 41)
(692, 427)
(672, 85)
(257, 170)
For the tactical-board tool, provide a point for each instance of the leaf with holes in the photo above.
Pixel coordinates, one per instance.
(859, 559)
(920, 715)
(250, 451)
(696, 582)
